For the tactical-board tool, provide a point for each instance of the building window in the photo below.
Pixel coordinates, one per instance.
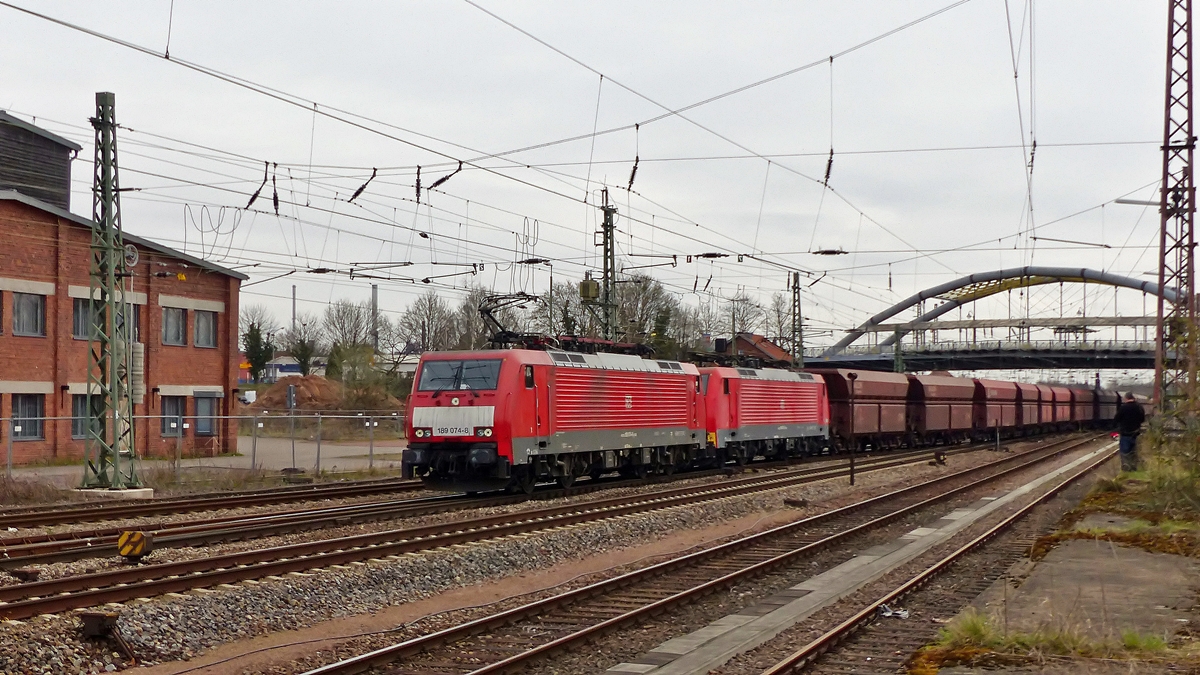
(172, 415)
(135, 329)
(206, 412)
(206, 329)
(79, 415)
(28, 411)
(29, 314)
(81, 321)
(174, 326)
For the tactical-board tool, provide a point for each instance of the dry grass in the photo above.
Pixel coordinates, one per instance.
(972, 638)
(16, 491)
(166, 480)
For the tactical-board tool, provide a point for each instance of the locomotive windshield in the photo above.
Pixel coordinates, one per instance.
(480, 374)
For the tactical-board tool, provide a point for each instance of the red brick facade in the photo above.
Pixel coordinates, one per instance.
(46, 253)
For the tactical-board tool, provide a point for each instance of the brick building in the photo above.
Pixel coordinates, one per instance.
(185, 314)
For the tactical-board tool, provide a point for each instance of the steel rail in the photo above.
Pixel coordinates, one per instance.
(171, 505)
(62, 547)
(54, 595)
(15, 510)
(485, 624)
(800, 659)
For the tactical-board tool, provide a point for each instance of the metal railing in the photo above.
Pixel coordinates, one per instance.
(997, 345)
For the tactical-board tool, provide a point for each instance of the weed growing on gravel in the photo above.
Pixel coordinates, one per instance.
(972, 638)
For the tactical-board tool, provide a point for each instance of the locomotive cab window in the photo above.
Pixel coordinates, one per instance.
(472, 374)
(529, 377)
(704, 384)
(725, 385)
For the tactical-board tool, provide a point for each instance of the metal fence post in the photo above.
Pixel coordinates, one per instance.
(318, 442)
(254, 444)
(370, 443)
(371, 436)
(11, 426)
(178, 445)
(292, 433)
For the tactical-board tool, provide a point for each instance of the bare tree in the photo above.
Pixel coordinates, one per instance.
(779, 320)
(640, 303)
(563, 313)
(470, 330)
(257, 315)
(685, 328)
(743, 314)
(347, 323)
(305, 341)
(428, 323)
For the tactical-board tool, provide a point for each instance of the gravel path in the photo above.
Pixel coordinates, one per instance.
(180, 627)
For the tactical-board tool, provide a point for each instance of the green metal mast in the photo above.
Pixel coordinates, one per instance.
(109, 459)
(608, 291)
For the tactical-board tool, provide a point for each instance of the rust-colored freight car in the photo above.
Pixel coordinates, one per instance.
(940, 407)
(1082, 406)
(996, 405)
(879, 411)
(1107, 403)
(1062, 405)
(1028, 406)
(1045, 405)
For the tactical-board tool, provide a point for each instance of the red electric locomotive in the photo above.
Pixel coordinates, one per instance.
(768, 412)
(487, 419)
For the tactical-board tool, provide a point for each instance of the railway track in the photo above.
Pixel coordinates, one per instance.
(21, 551)
(55, 595)
(94, 512)
(511, 640)
(862, 644)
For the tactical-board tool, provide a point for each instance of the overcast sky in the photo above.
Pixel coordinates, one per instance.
(926, 125)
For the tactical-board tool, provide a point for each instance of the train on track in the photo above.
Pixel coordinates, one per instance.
(511, 418)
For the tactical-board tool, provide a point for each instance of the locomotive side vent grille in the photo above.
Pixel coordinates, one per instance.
(746, 372)
(560, 357)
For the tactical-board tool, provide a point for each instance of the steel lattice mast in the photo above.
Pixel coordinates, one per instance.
(109, 461)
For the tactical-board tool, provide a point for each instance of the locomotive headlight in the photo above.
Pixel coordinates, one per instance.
(419, 433)
(483, 431)
(487, 432)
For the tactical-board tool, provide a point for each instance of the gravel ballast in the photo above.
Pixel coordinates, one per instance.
(180, 627)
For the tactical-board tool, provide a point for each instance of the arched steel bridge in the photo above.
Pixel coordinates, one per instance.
(995, 354)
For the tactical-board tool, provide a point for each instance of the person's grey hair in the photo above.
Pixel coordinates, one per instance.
(1129, 396)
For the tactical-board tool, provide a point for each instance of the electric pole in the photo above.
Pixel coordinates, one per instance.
(1175, 330)
(109, 456)
(797, 324)
(608, 289)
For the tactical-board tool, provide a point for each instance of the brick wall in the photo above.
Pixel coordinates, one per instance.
(49, 254)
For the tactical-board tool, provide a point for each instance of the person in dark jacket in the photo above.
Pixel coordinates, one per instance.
(1129, 424)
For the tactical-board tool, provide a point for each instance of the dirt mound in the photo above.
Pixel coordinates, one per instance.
(313, 392)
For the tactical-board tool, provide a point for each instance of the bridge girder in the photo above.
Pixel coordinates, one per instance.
(984, 284)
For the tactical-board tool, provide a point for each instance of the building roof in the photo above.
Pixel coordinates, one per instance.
(5, 118)
(14, 196)
(765, 347)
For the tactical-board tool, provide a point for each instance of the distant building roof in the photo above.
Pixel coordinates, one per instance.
(14, 196)
(5, 118)
(751, 342)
